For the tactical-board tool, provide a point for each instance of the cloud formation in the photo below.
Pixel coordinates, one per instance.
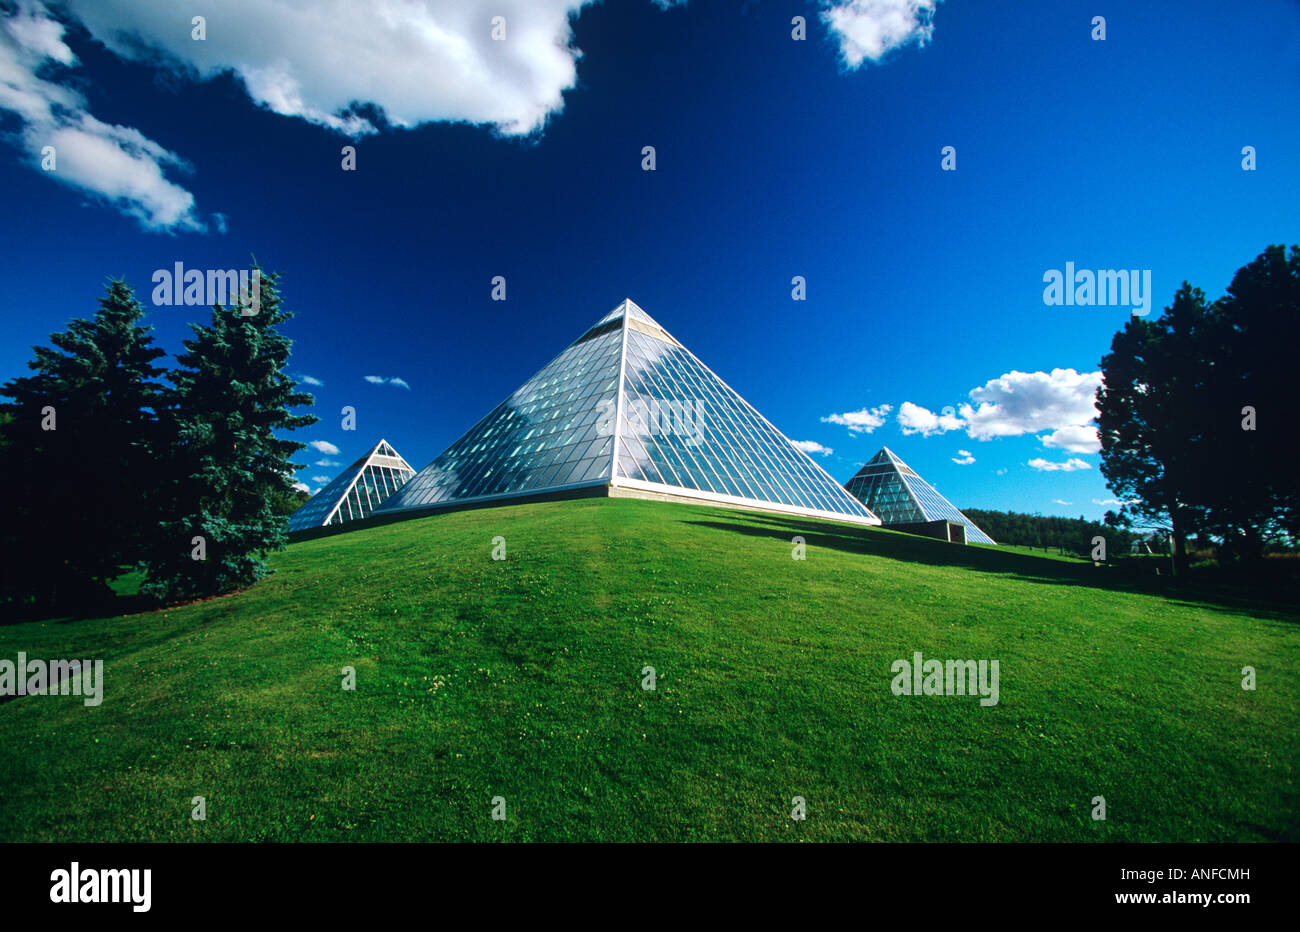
(1074, 439)
(112, 163)
(870, 29)
(1070, 465)
(863, 421)
(914, 419)
(1059, 406)
(324, 446)
(419, 61)
(1028, 402)
(812, 446)
(352, 67)
(963, 458)
(383, 380)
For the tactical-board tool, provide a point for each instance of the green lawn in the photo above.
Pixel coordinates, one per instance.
(522, 679)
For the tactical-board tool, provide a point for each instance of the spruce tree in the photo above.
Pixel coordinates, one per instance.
(79, 461)
(231, 395)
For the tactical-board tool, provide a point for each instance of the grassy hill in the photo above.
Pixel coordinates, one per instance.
(521, 678)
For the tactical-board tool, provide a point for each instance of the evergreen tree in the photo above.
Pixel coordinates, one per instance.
(231, 470)
(1194, 417)
(1155, 417)
(1257, 496)
(78, 458)
(1073, 535)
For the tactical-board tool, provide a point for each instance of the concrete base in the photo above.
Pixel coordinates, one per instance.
(952, 531)
(653, 495)
(603, 490)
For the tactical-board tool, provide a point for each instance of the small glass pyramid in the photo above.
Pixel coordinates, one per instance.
(357, 491)
(628, 407)
(893, 490)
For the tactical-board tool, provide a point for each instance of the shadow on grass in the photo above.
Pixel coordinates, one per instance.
(108, 606)
(1117, 577)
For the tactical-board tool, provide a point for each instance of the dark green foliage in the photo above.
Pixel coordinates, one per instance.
(285, 503)
(78, 495)
(230, 469)
(1073, 535)
(1152, 414)
(1173, 407)
(1259, 329)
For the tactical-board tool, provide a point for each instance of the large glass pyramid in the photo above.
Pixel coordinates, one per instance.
(627, 407)
(357, 491)
(893, 490)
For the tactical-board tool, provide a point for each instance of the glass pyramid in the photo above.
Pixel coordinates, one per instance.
(893, 490)
(628, 407)
(357, 491)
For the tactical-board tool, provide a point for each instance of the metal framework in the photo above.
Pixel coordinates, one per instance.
(628, 407)
(357, 491)
(894, 491)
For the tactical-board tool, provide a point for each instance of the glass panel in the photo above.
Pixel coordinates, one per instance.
(894, 491)
(542, 435)
(682, 419)
(679, 425)
(371, 485)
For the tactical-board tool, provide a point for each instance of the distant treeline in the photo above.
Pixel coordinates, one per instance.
(1073, 535)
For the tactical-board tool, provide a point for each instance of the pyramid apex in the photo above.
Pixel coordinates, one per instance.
(900, 496)
(356, 491)
(550, 437)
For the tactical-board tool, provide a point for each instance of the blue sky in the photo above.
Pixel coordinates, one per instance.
(775, 158)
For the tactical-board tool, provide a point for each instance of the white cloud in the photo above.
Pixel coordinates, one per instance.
(324, 446)
(420, 61)
(868, 29)
(1076, 439)
(335, 63)
(323, 480)
(1062, 502)
(863, 421)
(914, 419)
(1114, 501)
(965, 458)
(326, 464)
(381, 380)
(1070, 465)
(999, 472)
(117, 164)
(812, 446)
(1028, 402)
(309, 380)
(302, 487)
